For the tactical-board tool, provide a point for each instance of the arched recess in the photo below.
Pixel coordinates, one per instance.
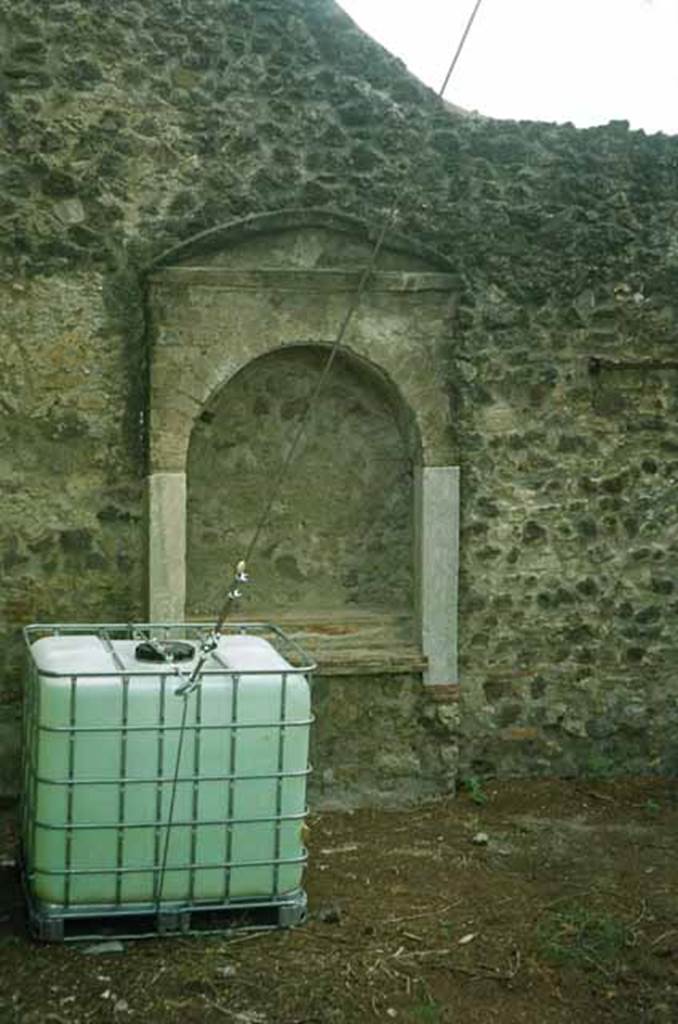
(340, 533)
(273, 290)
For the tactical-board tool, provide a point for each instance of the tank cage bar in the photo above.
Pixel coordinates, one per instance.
(196, 631)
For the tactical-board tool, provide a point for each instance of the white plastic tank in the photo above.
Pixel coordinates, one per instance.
(113, 818)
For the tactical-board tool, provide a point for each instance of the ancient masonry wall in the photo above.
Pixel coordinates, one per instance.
(130, 127)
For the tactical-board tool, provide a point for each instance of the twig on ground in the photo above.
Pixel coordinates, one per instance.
(419, 954)
(239, 1015)
(578, 892)
(597, 965)
(425, 913)
(348, 971)
(387, 971)
(161, 970)
(391, 972)
(597, 796)
(316, 934)
(219, 1008)
(488, 971)
(375, 966)
(642, 914)
(248, 937)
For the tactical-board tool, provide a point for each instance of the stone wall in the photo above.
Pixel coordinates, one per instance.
(131, 127)
(70, 500)
(380, 740)
(571, 530)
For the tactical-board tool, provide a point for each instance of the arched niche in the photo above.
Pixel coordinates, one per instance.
(243, 300)
(340, 532)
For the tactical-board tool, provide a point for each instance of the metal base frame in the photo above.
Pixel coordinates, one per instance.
(51, 923)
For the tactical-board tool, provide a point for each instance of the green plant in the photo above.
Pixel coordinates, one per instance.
(652, 806)
(578, 935)
(599, 766)
(426, 1013)
(474, 787)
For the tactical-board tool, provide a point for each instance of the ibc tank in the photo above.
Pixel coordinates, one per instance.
(102, 777)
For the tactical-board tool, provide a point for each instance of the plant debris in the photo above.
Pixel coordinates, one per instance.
(576, 917)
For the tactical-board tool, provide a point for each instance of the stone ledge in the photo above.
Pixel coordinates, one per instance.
(357, 643)
(445, 693)
(407, 663)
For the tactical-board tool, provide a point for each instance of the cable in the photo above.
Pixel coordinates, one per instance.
(282, 473)
(160, 880)
(210, 642)
(462, 43)
(389, 219)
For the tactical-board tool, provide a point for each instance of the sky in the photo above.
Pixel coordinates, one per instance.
(585, 61)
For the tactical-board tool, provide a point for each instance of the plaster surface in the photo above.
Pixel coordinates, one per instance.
(438, 588)
(167, 546)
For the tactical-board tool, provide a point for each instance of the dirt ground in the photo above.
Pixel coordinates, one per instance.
(531, 902)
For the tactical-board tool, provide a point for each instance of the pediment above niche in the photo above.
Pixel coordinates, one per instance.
(237, 292)
(305, 239)
(307, 248)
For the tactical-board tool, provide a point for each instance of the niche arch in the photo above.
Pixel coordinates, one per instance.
(341, 533)
(234, 297)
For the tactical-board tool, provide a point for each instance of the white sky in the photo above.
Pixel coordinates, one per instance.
(586, 61)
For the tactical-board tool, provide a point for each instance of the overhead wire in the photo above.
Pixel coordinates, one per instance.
(389, 220)
(460, 47)
(239, 575)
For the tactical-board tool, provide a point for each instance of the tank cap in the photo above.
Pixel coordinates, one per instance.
(164, 650)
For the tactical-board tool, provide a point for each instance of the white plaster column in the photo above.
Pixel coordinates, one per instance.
(437, 540)
(166, 547)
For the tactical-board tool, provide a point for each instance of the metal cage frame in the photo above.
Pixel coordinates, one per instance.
(68, 919)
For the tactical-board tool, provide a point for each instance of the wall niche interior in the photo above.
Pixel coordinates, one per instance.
(340, 535)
